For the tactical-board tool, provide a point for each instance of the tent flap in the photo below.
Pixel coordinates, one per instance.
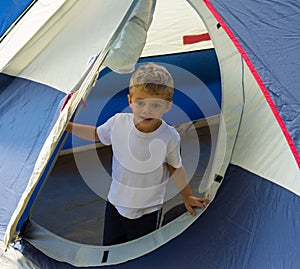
(127, 48)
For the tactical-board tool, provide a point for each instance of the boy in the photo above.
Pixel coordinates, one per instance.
(146, 150)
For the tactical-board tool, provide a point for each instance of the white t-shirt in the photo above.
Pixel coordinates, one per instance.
(139, 169)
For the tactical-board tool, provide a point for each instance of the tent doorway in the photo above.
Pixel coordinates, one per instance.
(68, 206)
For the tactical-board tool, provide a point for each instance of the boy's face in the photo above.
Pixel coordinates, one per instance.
(147, 109)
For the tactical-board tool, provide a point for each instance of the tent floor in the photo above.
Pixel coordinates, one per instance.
(67, 206)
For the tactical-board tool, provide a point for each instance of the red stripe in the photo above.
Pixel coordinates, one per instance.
(191, 39)
(258, 79)
(83, 103)
(67, 98)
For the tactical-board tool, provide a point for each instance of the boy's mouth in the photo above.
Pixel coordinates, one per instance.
(146, 119)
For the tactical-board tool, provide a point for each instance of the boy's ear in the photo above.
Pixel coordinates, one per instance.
(129, 99)
(169, 106)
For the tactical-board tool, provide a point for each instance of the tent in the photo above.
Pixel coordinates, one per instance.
(252, 175)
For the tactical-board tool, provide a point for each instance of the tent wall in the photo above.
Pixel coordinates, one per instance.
(261, 145)
(267, 35)
(27, 113)
(269, 46)
(165, 35)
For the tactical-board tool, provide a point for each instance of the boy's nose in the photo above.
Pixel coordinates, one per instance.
(147, 108)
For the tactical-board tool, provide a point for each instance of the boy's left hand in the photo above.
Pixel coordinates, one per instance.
(192, 201)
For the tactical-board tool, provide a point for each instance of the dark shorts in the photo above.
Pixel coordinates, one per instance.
(119, 229)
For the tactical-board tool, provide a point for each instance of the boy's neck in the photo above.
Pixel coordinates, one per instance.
(148, 127)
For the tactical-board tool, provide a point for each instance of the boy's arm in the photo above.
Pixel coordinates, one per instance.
(181, 181)
(87, 132)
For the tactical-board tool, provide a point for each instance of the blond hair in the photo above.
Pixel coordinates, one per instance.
(154, 79)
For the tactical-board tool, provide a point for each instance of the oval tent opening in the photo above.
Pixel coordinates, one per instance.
(72, 202)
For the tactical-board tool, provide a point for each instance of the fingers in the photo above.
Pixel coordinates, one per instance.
(200, 202)
(205, 200)
(190, 210)
(195, 202)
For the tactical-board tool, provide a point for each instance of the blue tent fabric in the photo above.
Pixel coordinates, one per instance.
(10, 10)
(269, 34)
(248, 222)
(27, 110)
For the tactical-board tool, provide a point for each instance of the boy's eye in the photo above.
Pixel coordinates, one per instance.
(140, 103)
(152, 105)
(156, 105)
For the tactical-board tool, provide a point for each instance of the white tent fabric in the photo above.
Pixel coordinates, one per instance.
(50, 31)
(232, 100)
(281, 168)
(167, 28)
(23, 32)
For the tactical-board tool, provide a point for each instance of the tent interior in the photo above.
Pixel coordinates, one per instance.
(68, 206)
